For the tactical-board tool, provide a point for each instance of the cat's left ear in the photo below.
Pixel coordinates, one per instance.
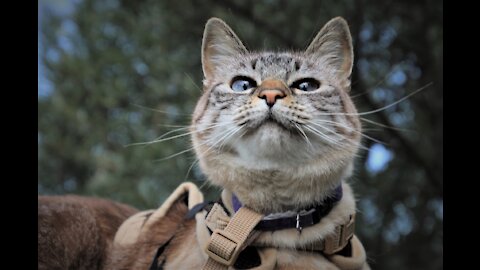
(219, 44)
(333, 44)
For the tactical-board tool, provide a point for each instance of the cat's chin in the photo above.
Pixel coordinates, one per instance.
(273, 128)
(271, 146)
(270, 136)
(270, 126)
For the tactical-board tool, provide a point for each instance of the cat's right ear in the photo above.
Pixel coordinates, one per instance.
(219, 43)
(333, 44)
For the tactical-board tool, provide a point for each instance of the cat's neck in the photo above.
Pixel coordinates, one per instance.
(275, 191)
(232, 203)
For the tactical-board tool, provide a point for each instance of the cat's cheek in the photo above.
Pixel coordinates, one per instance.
(200, 108)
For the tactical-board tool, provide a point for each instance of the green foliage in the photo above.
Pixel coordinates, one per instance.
(125, 72)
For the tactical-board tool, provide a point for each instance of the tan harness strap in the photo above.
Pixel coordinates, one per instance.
(337, 241)
(225, 245)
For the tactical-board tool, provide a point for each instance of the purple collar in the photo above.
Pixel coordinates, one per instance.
(300, 220)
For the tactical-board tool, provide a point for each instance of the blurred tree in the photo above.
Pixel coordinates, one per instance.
(114, 73)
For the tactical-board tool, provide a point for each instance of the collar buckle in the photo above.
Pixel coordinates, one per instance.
(298, 226)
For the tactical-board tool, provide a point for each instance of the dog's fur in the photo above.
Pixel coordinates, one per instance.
(77, 232)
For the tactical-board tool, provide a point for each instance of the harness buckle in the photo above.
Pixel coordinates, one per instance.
(223, 247)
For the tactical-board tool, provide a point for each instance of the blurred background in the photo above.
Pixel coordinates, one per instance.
(113, 73)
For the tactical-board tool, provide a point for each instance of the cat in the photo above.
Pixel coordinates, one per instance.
(278, 132)
(293, 129)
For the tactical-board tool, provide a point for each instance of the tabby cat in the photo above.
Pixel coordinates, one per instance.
(279, 133)
(277, 129)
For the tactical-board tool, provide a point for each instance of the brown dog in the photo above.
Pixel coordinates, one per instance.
(77, 232)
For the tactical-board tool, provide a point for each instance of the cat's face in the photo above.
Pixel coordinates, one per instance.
(275, 112)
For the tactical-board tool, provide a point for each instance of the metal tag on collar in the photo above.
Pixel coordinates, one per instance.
(299, 228)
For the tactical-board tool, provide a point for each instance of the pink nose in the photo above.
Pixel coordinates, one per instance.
(271, 95)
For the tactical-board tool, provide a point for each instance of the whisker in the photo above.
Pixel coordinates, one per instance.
(303, 135)
(337, 142)
(222, 144)
(160, 111)
(393, 69)
(198, 159)
(174, 126)
(398, 101)
(170, 132)
(193, 81)
(161, 139)
(225, 136)
(347, 127)
(323, 135)
(385, 126)
(174, 155)
(190, 168)
(384, 107)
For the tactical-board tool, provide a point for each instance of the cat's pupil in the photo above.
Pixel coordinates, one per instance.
(306, 85)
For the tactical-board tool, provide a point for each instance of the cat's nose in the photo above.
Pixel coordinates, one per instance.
(271, 90)
(271, 96)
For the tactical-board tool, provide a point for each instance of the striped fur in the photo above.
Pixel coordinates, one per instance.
(277, 159)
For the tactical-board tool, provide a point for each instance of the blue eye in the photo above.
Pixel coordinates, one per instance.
(242, 83)
(306, 84)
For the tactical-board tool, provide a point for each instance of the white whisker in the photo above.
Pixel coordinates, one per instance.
(174, 155)
(339, 135)
(385, 126)
(346, 127)
(321, 134)
(231, 134)
(303, 135)
(190, 168)
(160, 111)
(161, 139)
(384, 107)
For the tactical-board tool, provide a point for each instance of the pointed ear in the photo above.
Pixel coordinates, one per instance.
(333, 44)
(219, 42)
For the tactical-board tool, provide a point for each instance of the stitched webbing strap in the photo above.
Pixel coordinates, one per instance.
(337, 241)
(331, 244)
(225, 245)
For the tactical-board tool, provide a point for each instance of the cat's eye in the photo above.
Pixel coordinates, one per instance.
(242, 83)
(306, 84)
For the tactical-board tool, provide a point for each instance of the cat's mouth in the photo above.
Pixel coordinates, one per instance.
(272, 122)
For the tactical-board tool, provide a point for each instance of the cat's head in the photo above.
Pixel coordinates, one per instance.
(270, 121)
